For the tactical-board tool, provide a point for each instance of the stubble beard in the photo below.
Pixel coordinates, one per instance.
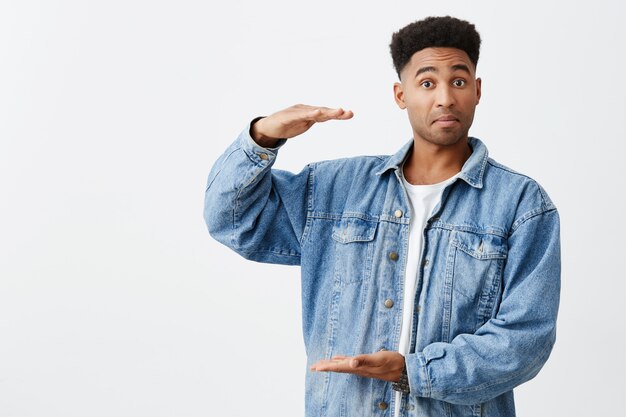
(445, 136)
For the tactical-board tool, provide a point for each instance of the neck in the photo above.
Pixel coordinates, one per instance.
(429, 163)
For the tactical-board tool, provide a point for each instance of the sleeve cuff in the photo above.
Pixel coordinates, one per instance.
(251, 145)
(418, 374)
(257, 153)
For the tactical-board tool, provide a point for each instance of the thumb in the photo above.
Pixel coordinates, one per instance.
(360, 360)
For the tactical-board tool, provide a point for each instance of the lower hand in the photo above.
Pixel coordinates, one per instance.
(385, 365)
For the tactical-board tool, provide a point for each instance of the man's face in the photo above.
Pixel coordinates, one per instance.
(440, 91)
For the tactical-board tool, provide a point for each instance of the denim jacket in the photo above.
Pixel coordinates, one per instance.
(488, 290)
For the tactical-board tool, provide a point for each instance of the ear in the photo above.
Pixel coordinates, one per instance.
(478, 89)
(398, 95)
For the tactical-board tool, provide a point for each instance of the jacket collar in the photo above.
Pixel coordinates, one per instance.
(472, 171)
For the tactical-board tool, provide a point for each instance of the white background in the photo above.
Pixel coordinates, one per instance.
(114, 300)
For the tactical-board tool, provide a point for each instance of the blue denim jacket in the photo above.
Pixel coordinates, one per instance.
(488, 293)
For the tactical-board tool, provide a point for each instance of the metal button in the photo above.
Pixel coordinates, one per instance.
(382, 405)
(426, 262)
(398, 213)
(388, 303)
(393, 256)
(382, 349)
(263, 156)
(418, 309)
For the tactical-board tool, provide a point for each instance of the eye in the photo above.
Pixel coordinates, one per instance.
(458, 83)
(426, 84)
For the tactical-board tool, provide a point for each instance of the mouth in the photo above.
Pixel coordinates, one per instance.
(446, 121)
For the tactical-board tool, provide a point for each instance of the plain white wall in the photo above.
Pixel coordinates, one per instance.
(113, 298)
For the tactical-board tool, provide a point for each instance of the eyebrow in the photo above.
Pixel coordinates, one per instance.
(425, 69)
(461, 67)
(457, 67)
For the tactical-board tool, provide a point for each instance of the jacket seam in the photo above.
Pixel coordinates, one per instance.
(498, 165)
(310, 202)
(344, 215)
(220, 170)
(529, 215)
(276, 252)
(548, 204)
(545, 202)
(349, 158)
(470, 229)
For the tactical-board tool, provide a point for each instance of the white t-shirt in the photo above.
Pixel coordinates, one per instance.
(423, 199)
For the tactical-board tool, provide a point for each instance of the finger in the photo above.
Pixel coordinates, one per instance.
(336, 114)
(340, 114)
(328, 114)
(339, 357)
(322, 114)
(329, 365)
(320, 367)
(321, 364)
(317, 114)
(347, 114)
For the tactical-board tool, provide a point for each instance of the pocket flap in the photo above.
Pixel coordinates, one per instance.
(354, 229)
(480, 246)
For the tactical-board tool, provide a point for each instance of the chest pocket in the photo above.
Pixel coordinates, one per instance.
(473, 280)
(354, 248)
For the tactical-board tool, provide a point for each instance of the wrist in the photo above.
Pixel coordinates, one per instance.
(402, 384)
(259, 137)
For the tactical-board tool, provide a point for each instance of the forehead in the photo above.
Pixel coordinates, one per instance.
(440, 58)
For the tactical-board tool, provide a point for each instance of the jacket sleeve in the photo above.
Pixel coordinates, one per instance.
(257, 211)
(510, 348)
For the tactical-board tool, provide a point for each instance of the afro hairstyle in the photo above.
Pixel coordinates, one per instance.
(432, 32)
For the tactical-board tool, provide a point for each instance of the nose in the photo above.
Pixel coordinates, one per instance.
(445, 97)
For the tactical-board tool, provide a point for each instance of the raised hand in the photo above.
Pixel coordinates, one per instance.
(293, 121)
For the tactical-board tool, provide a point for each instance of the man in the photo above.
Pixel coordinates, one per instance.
(430, 278)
